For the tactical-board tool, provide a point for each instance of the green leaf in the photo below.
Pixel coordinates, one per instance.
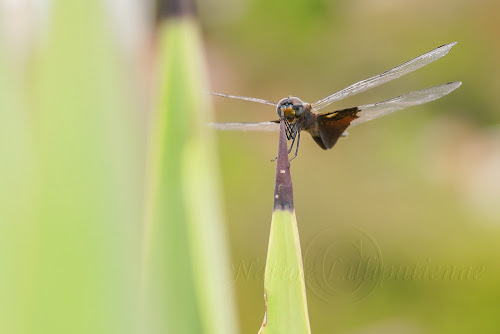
(187, 282)
(285, 294)
(68, 212)
(286, 303)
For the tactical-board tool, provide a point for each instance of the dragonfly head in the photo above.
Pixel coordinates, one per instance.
(291, 108)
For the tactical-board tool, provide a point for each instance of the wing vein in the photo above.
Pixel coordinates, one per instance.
(387, 76)
(259, 126)
(244, 98)
(369, 112)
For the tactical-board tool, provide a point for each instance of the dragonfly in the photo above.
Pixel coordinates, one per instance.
(327, 127)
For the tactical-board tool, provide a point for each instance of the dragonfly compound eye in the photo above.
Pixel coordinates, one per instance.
(286, 109)
(299, 109)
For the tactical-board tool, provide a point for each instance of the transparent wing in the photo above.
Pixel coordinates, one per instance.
(389, 75)
(261, 126)
(375, 110)
(244, 98)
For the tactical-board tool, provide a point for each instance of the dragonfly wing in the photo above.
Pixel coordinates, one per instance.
(375, 110)
(244, 98)
(333, 125)
(387, 76)
(260, 126)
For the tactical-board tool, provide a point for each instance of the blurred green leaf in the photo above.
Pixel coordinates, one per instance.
(187, 273)
(70, 253)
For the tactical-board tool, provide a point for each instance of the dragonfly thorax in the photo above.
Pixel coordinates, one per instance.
(290, 107)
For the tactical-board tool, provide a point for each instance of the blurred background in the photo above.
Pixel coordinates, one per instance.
(417, 191)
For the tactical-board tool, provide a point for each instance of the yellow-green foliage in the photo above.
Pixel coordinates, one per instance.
(286, 304)
(68, 175)
(187, 284)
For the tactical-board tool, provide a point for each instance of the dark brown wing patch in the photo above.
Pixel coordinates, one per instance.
(332, 125)
(319, 141)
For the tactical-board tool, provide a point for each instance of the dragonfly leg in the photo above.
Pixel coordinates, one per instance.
(288, 130)
(295, 130)
(292, 130)
(296, 147)
(291, 146)
(290, 149)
